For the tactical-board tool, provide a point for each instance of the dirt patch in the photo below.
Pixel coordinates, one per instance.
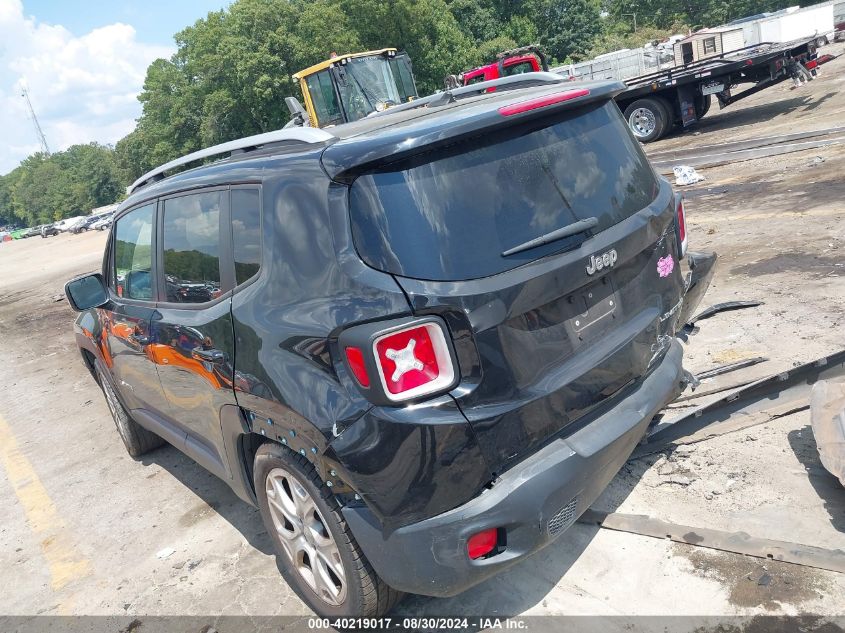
(816, 265)
(752, 582)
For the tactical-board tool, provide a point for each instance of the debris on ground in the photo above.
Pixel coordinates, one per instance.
(164, 553)
(685, 175)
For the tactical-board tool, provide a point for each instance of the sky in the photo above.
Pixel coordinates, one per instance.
(83, 63)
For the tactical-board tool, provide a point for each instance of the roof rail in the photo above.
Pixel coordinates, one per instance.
(525, 80)
(299, 134)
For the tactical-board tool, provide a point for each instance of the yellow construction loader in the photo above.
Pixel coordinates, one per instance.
(346, 88)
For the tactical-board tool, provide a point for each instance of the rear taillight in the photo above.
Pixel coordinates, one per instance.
(398, 360)
(482, 543)
(682, 228)
(355, 358)
(541, 102)
(413, 362)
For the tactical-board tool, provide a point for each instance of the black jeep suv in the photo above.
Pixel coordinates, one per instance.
(421, 343)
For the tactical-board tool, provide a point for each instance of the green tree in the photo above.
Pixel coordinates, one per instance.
(567, 28)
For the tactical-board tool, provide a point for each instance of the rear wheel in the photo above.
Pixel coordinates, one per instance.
(321, 560)
(647, 119)
(821, 41)
(136, 438)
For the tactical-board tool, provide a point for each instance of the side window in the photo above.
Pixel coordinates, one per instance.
(133, 254)
(246, 233)
(710, 45)
(323, 97)
(192, 247)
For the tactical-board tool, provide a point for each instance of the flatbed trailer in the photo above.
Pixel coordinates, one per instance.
(654, 104)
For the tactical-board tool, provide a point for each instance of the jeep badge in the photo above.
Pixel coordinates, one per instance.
(605, 260)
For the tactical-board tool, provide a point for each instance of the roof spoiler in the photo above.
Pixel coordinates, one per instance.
(345, 159)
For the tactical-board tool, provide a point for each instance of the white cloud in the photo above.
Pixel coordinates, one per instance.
(82, 88)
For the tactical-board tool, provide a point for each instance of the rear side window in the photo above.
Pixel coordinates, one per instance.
(133, 254)
(246, 233)
(192, 247)
(450, 215)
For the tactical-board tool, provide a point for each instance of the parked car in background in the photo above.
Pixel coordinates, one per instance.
(84, 224)
(103, 222)
(49, 229)
(65, 224)
(32, 231)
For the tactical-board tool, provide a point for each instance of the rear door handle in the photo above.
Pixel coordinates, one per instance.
(209, 355)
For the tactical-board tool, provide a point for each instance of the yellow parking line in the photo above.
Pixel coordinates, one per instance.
(64, 562)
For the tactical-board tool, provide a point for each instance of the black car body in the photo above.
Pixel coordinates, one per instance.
(416, 236)
(49, 229)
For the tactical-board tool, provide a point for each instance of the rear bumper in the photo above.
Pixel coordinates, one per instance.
(535, 501)
(701, 267)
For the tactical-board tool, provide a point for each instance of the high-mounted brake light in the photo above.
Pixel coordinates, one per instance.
(541, 102)
(413, 362)
(482, 543)
(355, 358)
(682, 228)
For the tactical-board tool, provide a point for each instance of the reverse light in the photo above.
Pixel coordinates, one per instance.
(541, 102)
(682, 228)
(482, 543)
(355, 358)
(413, 362)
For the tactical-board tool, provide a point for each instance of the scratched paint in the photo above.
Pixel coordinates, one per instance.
(64, 562)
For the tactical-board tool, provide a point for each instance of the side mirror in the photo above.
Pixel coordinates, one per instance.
(84, 293)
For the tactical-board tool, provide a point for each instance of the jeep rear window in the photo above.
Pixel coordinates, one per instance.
(449, 215)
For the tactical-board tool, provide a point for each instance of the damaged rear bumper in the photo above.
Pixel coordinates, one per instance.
(701, 267)
(534, 502)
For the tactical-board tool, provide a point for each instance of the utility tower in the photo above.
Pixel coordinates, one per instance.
(41, 138)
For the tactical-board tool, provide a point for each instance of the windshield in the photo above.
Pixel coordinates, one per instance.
(370, 84)
(450, 215)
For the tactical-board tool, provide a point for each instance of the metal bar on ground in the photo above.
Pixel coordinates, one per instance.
(735, 542)
(700, 394)
(758, 397)
(729, 367)
(728, 306)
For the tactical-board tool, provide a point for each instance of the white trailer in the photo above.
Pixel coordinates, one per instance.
(791, 24)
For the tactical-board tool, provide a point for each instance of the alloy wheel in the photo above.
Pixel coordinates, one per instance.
(305, 536)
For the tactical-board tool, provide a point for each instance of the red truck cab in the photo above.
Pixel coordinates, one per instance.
(528, 59)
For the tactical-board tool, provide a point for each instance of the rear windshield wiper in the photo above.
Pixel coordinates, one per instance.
(558, 234)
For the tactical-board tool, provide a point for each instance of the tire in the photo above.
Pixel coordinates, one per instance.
(136, 438)
(647, 119)
(702, 105)
(821, 41)
(668, 114)
(360, 592)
